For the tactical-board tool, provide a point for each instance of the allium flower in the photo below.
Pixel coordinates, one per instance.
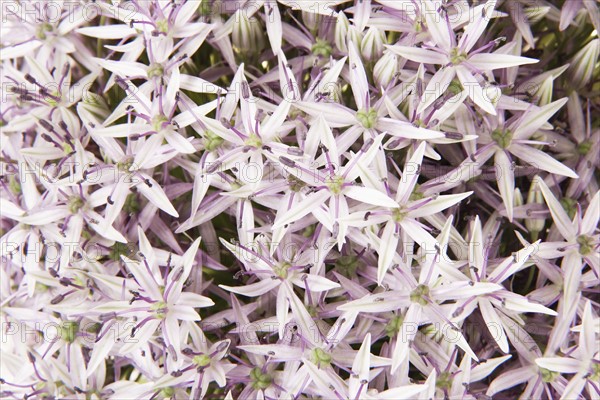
(584, 361)
(160, 297)
(35, 28)
(457, 58)
(392, 202)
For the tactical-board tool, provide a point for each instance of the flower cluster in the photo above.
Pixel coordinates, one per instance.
(290, 199)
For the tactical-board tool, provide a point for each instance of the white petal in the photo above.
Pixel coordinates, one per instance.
(358, 77)
(127, 69)
(143, 277)
(308, 328)
(512, 264)
(590, 219)
(369, 196)
(473, 31)
(114, 31)
(335, 114)
(439, 204)
(485, 368)
(361, 366)
(419, 55)
(311, 202)
(282, 306)
(505, 176)
(401, 392)
(559, 215)
(438, 25)
(154, 193)
(254, 289)
(19, 50)
(475, 91)
(541, 160)
(387, 250)
(279, 352)
(490, 61)
(380, 302)
(494, 324)
(122, 130)
(406, 130)
(315, 283)
(179, 143)
(564, 365)
(408, 331)
(533, 120)
(436, 87)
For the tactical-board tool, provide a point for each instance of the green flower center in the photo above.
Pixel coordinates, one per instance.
(456, 57)
(68, 331)
(40, 287)
(419, 123)
(595, 373)
(67, 148)
(335, 184)
(131, 205)
(313, 311)
(455, 87)
(253, 141)
(43, 29)
(201, 360)
(398, 214)
(52, 99)
(158, 122)
(281, 270)
(94, 328)
(419, 24)
(75, 203)
(260, 381)
(570, 206)
(162, 25)
(419, 295)
(393, 326)
(444, 380)
(14, 184)
(160, 309)
(155, 70)
(586, 244)
(309, 231)
(502, 137)
(118, 250)
(548, 376)
(347, 265)
(367, 118)
(416, 194)
(124, 165)
(321, 48)
(584, 147)
(212, 141)
(295, 183)
(320, 357)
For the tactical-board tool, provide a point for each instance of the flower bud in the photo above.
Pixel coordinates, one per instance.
(247, 36)
(544, 91)
(385, 69)
(321, 48)
(534, 225)
(517, 198)
(311, 20)
(341, 32)
(371, 47)
(354, 36)
(582, 65)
